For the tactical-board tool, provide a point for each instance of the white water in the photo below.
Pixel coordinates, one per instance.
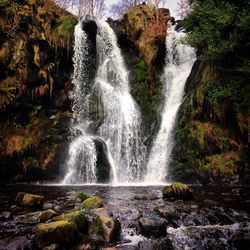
(116, 113)
(179, 62)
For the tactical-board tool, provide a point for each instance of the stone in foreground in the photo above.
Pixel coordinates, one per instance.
(29, 200)
(59, 232)
(92, 202)
(152, 227)
(76, 217)
(105, 228)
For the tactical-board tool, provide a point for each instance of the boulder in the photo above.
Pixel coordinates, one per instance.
(46, 215)
(29, 200)
(92, 202)
(155, 244)
(152, 226)
(105, 228)
(168, 211)
(28, 218)
(58, 232)
(69, 203)
(15, 243)
(177, 191)
(82, 196)
(76, 217)
(15, 209)
(6, 215)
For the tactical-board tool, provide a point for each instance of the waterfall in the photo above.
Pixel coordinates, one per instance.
(179, 62)
(106, 111)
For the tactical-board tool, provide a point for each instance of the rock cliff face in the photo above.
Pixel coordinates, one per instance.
(141, 34)
(35, 68)
(212, 137)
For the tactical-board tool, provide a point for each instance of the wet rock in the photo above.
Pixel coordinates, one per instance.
(29, 200)
(76, 217)
(105, 228)
(177, 191)
(83, 247)
(102, 212)
(15, 209)
(111, 248)
(29, 218)
(46, 215)
(16, 243)
(47, 205)
(6, 215)
(52, 247)
(68, 204)
(159, 244)
(82, 196)
(92, 202)
(168, 211)
(241, 240)
(58, 232)
(152, 227)
(204, 237)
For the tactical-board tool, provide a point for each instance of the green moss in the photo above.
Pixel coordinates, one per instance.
(92, 202)
(29, 200)
(177, 190)
(77, 217)
(46, 215)
(66, 26)
(82, 196)
(60, 232)
(96, 227)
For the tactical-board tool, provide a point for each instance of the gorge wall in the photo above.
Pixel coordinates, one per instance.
(35, 68)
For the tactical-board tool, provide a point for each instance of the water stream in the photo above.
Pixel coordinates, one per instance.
(179, 62)
(105, 111)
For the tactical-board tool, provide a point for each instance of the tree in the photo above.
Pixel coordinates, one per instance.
(183, 8)
(219, 28)
(93, 8)
(64, 3)
(122, 6)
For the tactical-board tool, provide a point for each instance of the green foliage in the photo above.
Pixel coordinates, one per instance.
(233, 90)
(66, 26)
(141, 71)
(218, 28)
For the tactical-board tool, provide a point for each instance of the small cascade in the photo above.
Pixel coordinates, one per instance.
(105, 111)
(179, 62)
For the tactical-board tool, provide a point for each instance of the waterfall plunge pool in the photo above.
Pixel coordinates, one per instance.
(217, 214)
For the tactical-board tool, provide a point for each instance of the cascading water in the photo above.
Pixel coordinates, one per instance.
(179, 61)
(106, 111)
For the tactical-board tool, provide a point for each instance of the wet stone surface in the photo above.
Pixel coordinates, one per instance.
(148, 222)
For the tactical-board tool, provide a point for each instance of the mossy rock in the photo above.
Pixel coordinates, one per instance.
(46, 215)
(69, 204)
(176, 191)
(59, 232)
(76, 217)
(29, 200)
(92, 202)
(105, 227)
(82, 196)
